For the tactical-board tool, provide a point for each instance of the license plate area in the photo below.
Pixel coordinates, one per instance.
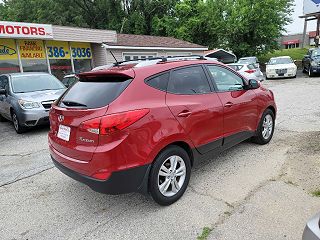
(64, 132)
(281, 71)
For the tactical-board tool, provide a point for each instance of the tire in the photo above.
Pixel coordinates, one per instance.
(265, 129)
(16, 123)
(310, 74)
(2, 119)
(173, 186)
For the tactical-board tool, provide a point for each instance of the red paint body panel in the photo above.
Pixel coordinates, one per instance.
(141, 142)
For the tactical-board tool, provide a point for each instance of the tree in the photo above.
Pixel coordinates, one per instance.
(247, 27)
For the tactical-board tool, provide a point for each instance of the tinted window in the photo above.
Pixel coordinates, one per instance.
(251, 66)
(191, 80)
(315, 53)
(159, 82)
(35, 82)
(96, 93)
(3, 82)
(225, 79)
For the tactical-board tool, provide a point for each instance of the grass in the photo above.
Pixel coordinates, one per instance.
(294, 53)
(316, 193)
(205, 233)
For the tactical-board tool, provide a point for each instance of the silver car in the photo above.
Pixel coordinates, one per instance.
(312, 230)
(26, 98)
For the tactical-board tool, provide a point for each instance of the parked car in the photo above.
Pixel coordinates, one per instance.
(143, 127)
(281, 67)
(249, 71)
(312, 229)
(311, 62)
(25, 98)
(250, 60)
(68, 80)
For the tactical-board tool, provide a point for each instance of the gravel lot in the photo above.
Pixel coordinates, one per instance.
(249, 192)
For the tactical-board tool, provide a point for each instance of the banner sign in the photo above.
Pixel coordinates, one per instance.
(25, 30)
(58, 50)
(31, 49)
(81, 50)
(311, 6)
(8, 49)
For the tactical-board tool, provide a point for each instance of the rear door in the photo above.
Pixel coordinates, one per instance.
(240, 105)
(197, 108)
(87, 99)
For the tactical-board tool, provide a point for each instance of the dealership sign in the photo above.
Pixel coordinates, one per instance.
(25, 30)
(311, 6)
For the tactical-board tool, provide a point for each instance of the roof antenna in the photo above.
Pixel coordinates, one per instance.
(117, 63)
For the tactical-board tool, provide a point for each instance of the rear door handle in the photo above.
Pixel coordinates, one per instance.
(228, 104)
(184, 113)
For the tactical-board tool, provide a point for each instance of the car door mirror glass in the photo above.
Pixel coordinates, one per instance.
(253, 84)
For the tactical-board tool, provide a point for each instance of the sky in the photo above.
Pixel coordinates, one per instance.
(297, 25)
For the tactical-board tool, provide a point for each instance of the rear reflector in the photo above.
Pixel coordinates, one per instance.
(114, 122)
(102, 174)
(250, 71)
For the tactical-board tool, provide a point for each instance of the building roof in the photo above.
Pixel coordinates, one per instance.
(146, 41)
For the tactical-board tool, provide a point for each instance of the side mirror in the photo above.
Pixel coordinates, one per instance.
(253, 84)
(3, 91)
(267, 63)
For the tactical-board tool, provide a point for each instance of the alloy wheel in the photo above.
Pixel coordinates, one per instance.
(171, 176)
(267, 126)
(15, 121)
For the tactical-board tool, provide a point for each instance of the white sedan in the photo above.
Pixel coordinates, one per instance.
(281, 67)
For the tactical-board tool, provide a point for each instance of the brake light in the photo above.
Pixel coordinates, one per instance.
(114, 122)
(250, 71)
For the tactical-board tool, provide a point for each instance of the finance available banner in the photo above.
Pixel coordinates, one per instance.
(31, 49)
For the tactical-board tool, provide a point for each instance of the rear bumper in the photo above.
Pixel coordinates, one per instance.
(315, 69)
(126, 181)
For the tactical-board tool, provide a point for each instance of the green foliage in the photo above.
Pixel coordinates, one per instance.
(316, 193)
(294, 53)
(247, 27)
(205, 233)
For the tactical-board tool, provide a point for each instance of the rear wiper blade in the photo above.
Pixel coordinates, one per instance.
(73, 104)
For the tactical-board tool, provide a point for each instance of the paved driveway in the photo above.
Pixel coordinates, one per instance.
(249, 192)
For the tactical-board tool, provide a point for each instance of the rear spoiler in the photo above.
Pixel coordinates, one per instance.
(128, 74)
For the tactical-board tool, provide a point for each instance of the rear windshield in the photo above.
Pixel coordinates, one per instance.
(236, 67)
(94, 93)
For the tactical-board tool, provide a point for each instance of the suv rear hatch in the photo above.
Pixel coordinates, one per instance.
(74, 118)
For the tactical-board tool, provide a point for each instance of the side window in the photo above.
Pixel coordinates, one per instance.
(3, 82)
(189, 81)
(159, 82)
(225, 79)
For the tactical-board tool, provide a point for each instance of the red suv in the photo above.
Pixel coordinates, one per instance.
(142, 126)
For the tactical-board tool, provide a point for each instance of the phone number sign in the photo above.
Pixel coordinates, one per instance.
(61, 50)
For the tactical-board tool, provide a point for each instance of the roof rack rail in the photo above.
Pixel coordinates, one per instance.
(186, 57)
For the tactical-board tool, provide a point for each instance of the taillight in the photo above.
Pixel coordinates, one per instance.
(114, 122)
(250, 71)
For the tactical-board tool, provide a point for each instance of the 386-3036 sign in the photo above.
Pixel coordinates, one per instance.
(61, 50)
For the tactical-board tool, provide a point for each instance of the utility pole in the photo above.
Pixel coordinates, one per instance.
(316, 40)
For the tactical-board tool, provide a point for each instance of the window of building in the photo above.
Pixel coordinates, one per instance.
(135, 56)
(178, 54)
(189, 81)
(60, 67)
(9, 66)
(82, 65)
(34, 65)
(9, 57)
